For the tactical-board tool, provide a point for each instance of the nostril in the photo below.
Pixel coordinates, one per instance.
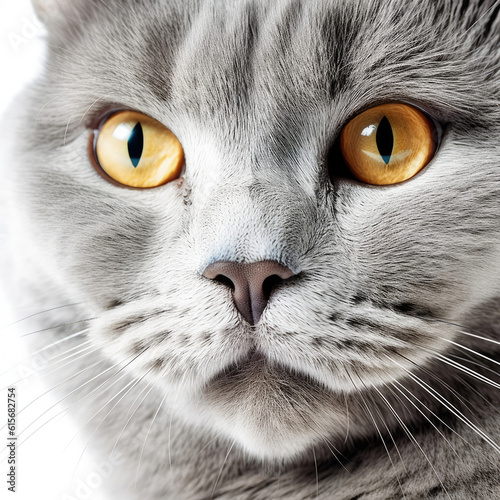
(252, 284)
(270, 284)
(220, 278)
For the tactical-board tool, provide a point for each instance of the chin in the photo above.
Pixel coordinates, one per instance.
(269, 412)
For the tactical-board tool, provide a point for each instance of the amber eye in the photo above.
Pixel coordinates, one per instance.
(137, 151)
(388, 144)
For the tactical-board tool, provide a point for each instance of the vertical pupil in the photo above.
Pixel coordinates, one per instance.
(136, 144)
(385, 139)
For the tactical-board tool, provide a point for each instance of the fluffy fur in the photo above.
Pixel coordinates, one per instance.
(372, 374)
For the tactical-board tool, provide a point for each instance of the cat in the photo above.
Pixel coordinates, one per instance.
(265, 323)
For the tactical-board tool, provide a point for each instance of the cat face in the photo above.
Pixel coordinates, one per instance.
(257, 94)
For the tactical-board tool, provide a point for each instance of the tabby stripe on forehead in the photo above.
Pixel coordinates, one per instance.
(136, 144)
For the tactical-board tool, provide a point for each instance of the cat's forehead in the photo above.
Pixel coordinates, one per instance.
(268, 65)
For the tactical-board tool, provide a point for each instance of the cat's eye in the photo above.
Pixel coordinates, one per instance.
(387, 144)
(138, 151)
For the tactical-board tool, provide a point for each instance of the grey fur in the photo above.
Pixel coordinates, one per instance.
(388, 278)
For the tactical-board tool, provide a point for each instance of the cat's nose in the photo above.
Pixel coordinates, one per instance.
(252, 284)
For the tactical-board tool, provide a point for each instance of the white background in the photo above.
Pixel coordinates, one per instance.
(45, 470)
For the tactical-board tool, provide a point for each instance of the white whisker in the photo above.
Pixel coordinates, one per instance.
(317, 475)
(88, 109)
(380, 433)
(53, 344)
(170, 427)
(464, 369)
(134, 383)
(55, 327)
(449, 406)
(67, 410)
(423, 414)
(472, 351)
(151, 386)
(462, 329)
(86, 351)
(413, 439)
(479, 337)
(222, 468)
(39, 313)
(327, 443)
(146, 439)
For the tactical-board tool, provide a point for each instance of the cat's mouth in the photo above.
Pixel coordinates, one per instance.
(253, 360)
(255, 367)
(271, 410)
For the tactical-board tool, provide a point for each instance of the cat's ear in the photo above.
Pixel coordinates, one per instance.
(56, 12)
(49, 10)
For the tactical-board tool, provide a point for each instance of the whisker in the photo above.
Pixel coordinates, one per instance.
(55, 327)
(222, 468)
(88, 109)
(347, 418)
(135, 382)
(317, 475)
(146, 439)
(438, 418)
(209, 442)
(449, 406)
(57, 369)
(412, 438)
(101, 385)
(464, 369)
(82, 345)
(170, 426)
(462, 331)
(422, 413)
(473, 389)
(68, 124)
(171, 420)
(53, 344)
(393, 442)
(474, 362)
(62, 412)
(379, 432)
(51, 365)
(65, 381)
(435, 353)
(64, 398)
(151, 387)
(67, 410)
(472, 351)
(43, 107)
(334, 454)
(479, 337)
(39, 313)
(328, 445)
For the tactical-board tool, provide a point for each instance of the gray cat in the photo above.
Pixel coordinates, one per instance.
(281, 313)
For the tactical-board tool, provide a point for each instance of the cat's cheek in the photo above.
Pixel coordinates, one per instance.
(77, 211)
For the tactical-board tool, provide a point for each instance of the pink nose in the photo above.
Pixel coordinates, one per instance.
(252, 284)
